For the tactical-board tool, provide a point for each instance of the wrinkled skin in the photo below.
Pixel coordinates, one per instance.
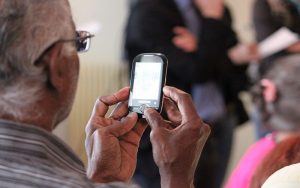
(112, 142)
(178, 142)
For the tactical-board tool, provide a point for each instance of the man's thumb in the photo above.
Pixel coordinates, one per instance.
(153, 118)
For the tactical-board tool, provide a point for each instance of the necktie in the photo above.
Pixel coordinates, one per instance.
(189, 14)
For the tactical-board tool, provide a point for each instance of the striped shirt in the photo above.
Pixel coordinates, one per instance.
(33, 157)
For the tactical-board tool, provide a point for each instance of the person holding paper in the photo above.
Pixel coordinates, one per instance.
(277, 28)
(268, 17)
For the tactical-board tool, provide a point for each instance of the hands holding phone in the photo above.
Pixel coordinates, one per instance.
(112, 142)
(177, 143)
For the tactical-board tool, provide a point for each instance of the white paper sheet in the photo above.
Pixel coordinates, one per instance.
(278, 41)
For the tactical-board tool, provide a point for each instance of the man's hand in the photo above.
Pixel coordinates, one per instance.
(295, 48)
(211, 8)
(177, 143)
(185, 40)
(112, 142)
(243, 53)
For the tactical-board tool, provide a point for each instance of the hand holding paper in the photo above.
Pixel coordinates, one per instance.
(280, 40)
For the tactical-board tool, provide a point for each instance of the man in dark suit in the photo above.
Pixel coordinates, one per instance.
(195, 36)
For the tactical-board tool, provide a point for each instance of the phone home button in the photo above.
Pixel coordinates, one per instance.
(143, 107)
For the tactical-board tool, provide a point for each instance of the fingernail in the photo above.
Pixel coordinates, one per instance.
(147, 109)
(132, 114)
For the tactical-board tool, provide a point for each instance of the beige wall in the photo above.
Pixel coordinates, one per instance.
(102, 71)
(111, 15)
(244, 135)
(241, 13)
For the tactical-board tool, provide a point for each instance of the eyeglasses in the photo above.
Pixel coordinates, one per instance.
(82, 40)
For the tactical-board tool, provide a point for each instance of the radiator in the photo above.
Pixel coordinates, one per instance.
(95, 80)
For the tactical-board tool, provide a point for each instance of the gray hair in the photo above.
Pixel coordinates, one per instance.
(27, 29)
(284, 113)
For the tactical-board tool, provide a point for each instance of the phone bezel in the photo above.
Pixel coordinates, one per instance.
(151, 58)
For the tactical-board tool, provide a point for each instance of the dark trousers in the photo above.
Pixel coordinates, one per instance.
(215, 156)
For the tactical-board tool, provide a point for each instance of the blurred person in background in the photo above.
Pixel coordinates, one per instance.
(268, 17)
(271, 15)
(277, 97)
(195, 36)
(39, 68)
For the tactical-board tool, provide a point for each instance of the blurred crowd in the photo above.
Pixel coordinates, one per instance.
(208, 61)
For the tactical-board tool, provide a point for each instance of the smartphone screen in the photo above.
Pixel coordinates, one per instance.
(147, 84)
(147, 80)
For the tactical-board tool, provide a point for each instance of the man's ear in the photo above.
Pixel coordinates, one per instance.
(55, 65)
(269, 90)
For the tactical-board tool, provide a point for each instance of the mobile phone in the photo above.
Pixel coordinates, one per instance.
(148, 77)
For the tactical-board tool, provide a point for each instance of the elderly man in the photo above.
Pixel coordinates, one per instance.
(38, 76)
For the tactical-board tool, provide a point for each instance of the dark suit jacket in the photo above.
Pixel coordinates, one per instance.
(150, 29)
